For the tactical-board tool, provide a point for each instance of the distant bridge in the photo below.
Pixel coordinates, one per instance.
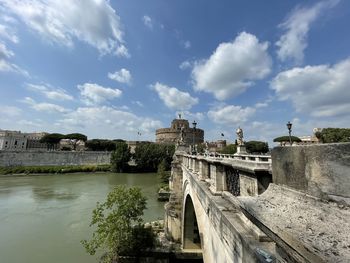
(227, 208)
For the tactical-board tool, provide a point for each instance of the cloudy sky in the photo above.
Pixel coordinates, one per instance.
(117, 69)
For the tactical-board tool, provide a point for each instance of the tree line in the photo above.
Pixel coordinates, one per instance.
(53, 139)
(147, 156)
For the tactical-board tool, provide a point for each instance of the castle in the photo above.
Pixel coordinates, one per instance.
(171, 135)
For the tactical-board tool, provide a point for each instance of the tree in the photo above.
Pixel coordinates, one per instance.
(119, 225)
(100, 145)
(76, 136)
(120, 157)
(331, 135)
(229, 149)
(257, 147)
(285, 139)
(52, 140)
(149, 155)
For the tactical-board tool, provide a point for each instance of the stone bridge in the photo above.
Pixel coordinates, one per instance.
(292, 206)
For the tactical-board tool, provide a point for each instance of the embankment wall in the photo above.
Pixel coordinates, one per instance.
(42, 158)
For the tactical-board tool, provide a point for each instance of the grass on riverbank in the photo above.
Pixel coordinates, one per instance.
(54, 169)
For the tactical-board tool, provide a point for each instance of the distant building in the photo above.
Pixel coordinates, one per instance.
(172, 134)
(33, 141)
(309, 139)
(16, 140)
(216, 146)
(13, 140)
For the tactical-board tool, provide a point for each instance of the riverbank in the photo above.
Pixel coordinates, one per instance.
(57, 169)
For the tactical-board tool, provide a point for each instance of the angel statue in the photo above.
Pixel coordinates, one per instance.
(239, 133)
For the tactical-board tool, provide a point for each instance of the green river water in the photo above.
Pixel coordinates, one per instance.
(43, 218)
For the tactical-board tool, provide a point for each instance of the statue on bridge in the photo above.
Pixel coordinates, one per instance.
(240, 142)
(181, 142)
(239, 133)
(182, 135)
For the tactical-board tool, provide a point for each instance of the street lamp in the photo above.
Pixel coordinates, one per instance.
(289, 127)
(194, 123)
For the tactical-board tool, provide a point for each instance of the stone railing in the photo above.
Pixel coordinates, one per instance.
(247, 157)
(243, 174)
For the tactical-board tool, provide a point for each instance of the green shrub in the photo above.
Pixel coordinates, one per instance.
(119, 225)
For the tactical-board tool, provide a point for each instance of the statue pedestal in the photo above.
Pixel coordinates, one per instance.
(241, 150)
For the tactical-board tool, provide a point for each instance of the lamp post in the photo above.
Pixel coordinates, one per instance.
(289, 127)
(194, 123)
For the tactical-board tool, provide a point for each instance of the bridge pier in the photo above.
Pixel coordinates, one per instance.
(173, 209)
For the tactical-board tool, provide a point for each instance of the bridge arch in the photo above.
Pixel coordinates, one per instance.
(191, 236)
(192, 220)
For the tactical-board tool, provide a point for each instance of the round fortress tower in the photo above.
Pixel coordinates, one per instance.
(172, 134)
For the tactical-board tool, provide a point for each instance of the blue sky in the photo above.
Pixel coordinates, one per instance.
(114, 69)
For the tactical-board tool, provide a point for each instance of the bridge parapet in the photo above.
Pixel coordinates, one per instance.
(239, 174)
(247, 157)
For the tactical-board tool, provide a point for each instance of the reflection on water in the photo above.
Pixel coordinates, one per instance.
(43, 218)
(50, 193)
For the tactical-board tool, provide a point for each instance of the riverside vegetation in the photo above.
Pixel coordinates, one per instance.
(54, 169)
(120, 230)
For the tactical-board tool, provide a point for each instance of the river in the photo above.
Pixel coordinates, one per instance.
(43, 218)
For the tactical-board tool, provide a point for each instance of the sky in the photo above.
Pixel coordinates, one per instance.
(123, 68)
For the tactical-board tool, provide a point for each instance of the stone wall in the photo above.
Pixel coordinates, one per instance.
(42, 158)
(321, 170)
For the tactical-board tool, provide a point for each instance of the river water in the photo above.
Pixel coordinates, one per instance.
(43, 218)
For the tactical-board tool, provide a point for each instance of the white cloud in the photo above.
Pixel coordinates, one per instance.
(27, 123)
(264, 103)
(174, 98)
(49, 92)
(185, 65)
(8, 33)
(10, 111)
(147, 21)
(122, 51)
(261, 105)
(7, 66)
(4, 52)
(322, 91)
(186, 44)
(230, 115)
(232, 67)
(114, 122)
(44, 107)
(138, 103)
(122, 76)
(96, 94)
(92, 21)
(293, 43)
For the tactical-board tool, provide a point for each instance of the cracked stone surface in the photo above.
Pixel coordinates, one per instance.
(320, 227)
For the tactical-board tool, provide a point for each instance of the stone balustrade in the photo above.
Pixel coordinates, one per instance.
(238, 174)
(246, 157)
